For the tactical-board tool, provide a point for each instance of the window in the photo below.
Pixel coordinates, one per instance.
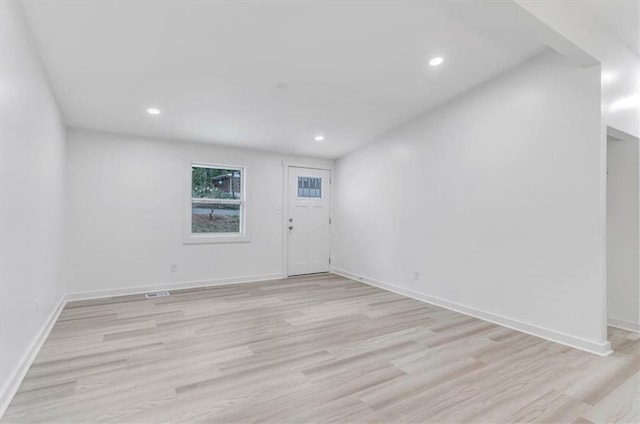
(310, 187)
(217, 201)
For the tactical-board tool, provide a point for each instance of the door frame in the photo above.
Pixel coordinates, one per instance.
(285, 210)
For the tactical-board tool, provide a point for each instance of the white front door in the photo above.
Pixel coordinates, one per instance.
(308, 220)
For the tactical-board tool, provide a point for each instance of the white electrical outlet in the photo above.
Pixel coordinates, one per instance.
(416, 275)
(173, 267)
(37, 306)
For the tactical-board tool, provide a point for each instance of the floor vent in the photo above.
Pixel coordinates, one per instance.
(157, 294)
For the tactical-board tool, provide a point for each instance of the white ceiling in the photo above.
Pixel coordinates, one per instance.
(620, 17)
(354, 69)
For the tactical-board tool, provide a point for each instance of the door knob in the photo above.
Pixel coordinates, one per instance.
(291, 227)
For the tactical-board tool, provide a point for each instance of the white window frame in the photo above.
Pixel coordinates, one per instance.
(204, 238)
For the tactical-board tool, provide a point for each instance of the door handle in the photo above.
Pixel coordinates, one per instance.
(291, 227)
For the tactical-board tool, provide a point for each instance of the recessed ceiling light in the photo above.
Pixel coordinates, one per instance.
(153, 111)
(436, 61)
(319, 137)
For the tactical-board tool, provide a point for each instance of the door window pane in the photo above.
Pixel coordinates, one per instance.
(310, 187)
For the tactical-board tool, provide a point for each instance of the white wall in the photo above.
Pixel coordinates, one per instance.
(623, 291)
(128, 200)
(620, 64)
(495, 199)
(32, 158)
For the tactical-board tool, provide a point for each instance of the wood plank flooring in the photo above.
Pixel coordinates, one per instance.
(313, 349)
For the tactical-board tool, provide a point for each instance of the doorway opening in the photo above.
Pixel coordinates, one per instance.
(623, 235)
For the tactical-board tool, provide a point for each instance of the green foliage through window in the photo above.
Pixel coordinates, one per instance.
(215, 183)
(216, 200)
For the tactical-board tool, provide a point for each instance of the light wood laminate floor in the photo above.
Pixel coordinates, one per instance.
(313, 349)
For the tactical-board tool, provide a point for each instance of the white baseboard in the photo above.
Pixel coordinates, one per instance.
(602, 349)
(171, 286)
(623, 324)
(13, 382)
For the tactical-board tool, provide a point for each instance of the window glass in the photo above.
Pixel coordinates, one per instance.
(310, 187)
(215, 218)
(216, 200)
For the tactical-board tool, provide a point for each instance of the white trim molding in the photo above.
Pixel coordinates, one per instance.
(172, 286)
(189, 237)
(602, 349)
(623, 324)
(15, 380)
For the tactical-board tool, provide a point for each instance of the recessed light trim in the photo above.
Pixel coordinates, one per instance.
(153, 111)
(435, 61)
(319, 137)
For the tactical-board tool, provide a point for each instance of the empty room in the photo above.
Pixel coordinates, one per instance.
(319, 211)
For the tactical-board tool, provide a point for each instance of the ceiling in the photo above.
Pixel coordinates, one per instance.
(620, 17)
(352, 70)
